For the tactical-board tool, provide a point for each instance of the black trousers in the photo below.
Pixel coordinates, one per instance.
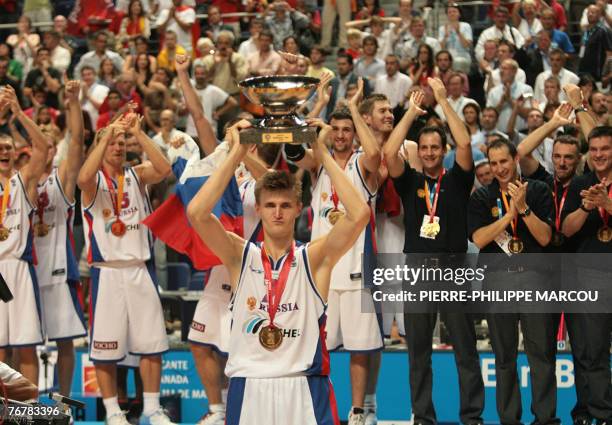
(419, 332)
(539, 337)
(590, 340)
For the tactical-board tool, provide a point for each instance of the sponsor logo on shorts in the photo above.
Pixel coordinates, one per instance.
(58, 272)
(105, 345)
(197, 326)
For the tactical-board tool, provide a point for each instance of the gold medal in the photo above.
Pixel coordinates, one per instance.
(558, 239)
(270, 337)
(604, 234)
(41, 229)
(334, 215)
(118, 228)
(4, 233)
(515, 246)
(432, 229)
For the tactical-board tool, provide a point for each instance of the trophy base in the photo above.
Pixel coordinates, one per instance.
(292, 135)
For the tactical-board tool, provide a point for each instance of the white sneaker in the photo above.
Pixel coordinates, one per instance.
(158, 418)
(356, 419)
(117, 419)
(217, 418)
(370, 417)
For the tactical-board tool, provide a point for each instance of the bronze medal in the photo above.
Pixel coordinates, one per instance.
(515, 246)
(558, 239)
(118, 228)
(4, 233)
(334, 215)
(270, 337)
(41, 229)
(604, 234)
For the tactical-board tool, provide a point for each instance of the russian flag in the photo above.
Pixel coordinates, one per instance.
(169, 222)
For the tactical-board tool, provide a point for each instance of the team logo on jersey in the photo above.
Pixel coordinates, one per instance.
(421, 193)
(106, 213)
(254, 324)
(495, 212)
(324, 196)
(251, 303)
(200, 327)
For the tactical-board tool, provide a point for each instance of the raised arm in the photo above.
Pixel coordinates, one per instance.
(226, 245)
(528, 163)
(457, 127)
(575, 98)
(69, 168)
(206, 135)
(157, 168)
(370, 160)
(322, 95)
(325, 252)
(391, 150)
(487, 234)
(40, 147)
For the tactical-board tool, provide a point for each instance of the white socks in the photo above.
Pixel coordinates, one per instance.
(111, 405)
(150, 403)
(369, 403)
(216, 408)
(224, 396)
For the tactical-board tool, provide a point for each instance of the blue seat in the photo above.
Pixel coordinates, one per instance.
(179, 276)
(196, 283)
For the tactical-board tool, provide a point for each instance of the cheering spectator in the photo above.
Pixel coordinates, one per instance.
(204, 48)
(142, 48)
(283, 21)
(92, 94)
(168, 135)
(215, 101)
(166, 56)
(445, 65)
(15, 69)
(552, 93)
(394, 85)
(135, 24)
(225, 66)
(340, 84)
(370, 8)
(24, 43)
(423, 66)
(599, 108)
(94, 58)
(107, 74)
(354, 37)
(557, 70)
(142, 73)
(265, 61)
(60, 56)
(215, 25)
(559, 11)
(150, 7)
(501, 30)
(6, 79)
(248, 47)
(317, 59)
(291, 45)
(44, 77)
(538, 57)
(178, 18)
(528, 25)
(456, 37)
(113, 105)
(606, 15)
(127, 93)
(503, 96)
(596, 43)
(558, 39)
(505, 51)
(67, 41)
(368, 66)
(409, 50)
(456, 99)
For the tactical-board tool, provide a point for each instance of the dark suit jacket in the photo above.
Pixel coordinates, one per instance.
(536, 65)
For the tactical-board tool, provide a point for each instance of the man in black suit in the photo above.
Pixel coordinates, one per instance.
(537, 56)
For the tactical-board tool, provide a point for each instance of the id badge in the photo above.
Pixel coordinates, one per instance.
(430, 230)
(581, 52)
(502, 241)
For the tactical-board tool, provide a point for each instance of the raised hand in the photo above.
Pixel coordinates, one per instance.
(323, 89)
(518, 192)
(574, 95)
(561, 116)
(9, 97)
(416, 100)
(356, 99)
(181, 63)
(73, 88)
(437, 86)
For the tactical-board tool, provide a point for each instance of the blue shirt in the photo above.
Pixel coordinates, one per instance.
(449, 158)
(560, 40)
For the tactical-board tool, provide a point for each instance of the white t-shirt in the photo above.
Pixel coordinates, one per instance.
(186, 15)
(565, 77)
(530, 31)
(212, 97)
(98, 93)
(395, 88)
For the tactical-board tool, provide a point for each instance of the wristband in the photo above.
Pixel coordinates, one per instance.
(580, 109)
(294, 152)
(582, 207)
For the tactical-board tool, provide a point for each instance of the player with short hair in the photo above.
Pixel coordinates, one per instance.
(278, 362)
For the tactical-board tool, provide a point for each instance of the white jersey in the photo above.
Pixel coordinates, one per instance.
(17, 220)
(219, 281)
(55, 250)
(347, 272)
(102, 246)
(301, 316)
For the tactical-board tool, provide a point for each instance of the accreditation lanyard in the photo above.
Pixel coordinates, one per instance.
(275, 286)
(602, 211)
(559, 205)
(515, 219)
(5, 200)
(431, 197)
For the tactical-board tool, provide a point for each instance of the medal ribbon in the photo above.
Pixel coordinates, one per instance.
(5, 200)
(559, 207)
(334, 195)
(431, 198)
(116, 197)
(275, 287)
(514, 220)
(602, 211)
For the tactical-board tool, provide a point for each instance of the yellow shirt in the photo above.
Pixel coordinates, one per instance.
(318, 73)
(163, 61)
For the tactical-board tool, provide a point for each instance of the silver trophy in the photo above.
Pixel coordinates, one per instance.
(279, 95)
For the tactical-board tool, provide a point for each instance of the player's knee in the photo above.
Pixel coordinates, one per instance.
(201, 351)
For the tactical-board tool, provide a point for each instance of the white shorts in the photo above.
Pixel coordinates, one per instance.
(388, 323)
(211, 324)
(127, 313)
(300, 400)
(61, 312)
(348, 325)
(20, 318)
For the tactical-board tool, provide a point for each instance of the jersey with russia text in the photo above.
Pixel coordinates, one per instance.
(17, 220)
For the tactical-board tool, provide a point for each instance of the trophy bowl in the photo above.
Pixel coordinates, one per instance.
(279, 95)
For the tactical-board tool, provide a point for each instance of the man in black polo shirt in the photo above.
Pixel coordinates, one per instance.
(513, 217)
(434, 204)
(586, 216)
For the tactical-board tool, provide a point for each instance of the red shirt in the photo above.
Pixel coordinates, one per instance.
(228, 6)
(560, 18)
(134, 96)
